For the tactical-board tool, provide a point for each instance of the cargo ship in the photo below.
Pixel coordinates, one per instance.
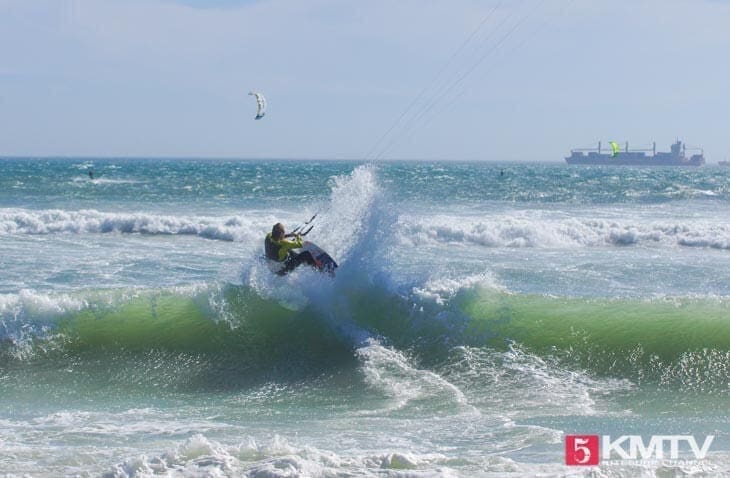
(636, 157)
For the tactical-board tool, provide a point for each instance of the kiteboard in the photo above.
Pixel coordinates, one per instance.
(323, 261)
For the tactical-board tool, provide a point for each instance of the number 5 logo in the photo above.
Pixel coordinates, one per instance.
(581, 450)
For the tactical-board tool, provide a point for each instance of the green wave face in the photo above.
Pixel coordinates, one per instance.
(167, 340)
(233, 336)
(661, 340)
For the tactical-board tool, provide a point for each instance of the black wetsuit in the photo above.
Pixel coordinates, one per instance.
(292, 260)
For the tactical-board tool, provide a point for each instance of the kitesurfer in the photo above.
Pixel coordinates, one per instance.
(279, 249)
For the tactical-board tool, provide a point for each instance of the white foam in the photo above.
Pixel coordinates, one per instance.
(525, 384)
(277, 458)
(28, 315)
(208, 448)
(90, 221)
(442, 289)
(391, 371)
(347, 214)
(539, 231)
(30, 305)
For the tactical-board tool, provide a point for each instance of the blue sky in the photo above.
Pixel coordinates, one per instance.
(171, 77)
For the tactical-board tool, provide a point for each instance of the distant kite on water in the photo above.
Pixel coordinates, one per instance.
(260, 104)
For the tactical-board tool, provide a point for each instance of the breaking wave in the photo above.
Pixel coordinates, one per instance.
(495, 232)
(666, 341)
(505, 231)
(90, 221)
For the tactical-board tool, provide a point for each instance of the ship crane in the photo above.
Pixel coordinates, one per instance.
(626, 149)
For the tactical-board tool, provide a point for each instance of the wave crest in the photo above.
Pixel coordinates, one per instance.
(90, 221)
(505, 231)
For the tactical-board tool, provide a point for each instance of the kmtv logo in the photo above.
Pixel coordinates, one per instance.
(581, 450)
(585, 450)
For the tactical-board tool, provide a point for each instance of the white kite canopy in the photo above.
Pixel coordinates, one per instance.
(260, 104)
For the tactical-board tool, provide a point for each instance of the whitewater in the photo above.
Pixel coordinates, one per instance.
(481, 313)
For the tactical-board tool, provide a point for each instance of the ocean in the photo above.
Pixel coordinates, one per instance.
(481, 314)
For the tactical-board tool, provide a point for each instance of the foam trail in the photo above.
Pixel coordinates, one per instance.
(391, 371)
(523, 381)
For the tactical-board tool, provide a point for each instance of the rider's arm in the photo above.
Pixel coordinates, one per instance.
(286, 246)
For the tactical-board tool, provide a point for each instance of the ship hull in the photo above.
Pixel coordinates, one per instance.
(633, 162)
(639, 157)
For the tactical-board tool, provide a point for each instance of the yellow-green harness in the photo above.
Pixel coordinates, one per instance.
(279, 250)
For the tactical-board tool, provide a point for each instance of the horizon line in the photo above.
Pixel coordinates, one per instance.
(241, 158)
